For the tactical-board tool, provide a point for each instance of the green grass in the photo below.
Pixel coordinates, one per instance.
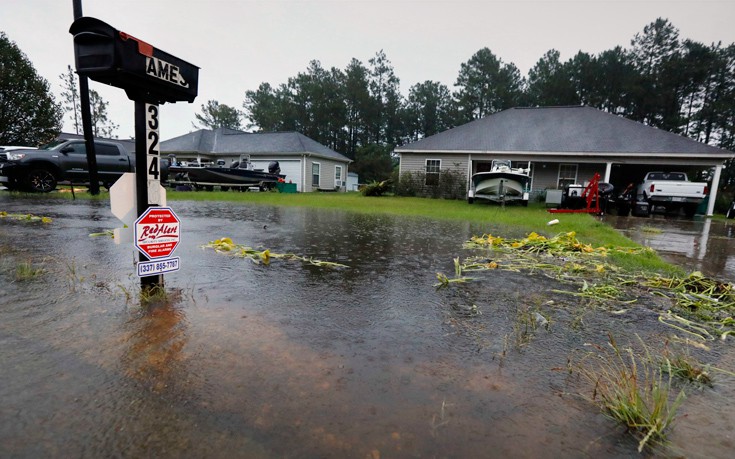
(687, 369)
(25, 271)
(633, 391)
(532, 218)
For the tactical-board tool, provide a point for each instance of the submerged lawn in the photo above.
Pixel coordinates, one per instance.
(534, 218)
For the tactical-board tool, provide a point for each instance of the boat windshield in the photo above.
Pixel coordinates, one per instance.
(501, 164)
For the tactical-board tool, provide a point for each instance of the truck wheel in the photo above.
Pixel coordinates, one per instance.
(41, 180)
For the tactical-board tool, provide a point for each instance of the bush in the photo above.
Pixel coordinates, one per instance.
(409, 184)
(450, 185)
(722, 203)
(376, 188)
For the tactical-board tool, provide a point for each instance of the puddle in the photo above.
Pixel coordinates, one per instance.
(294, 360)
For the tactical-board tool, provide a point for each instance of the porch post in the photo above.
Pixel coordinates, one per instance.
(608, 171)
(713, 192)
(469, 171)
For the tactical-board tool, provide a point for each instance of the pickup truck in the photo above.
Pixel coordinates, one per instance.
(40, 170)
(671, 190)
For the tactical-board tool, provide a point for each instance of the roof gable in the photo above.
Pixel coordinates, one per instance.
(576, 129)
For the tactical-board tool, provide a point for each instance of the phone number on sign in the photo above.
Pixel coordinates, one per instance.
(150, 268)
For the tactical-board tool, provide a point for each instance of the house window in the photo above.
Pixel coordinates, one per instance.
(432, 171)
(337, 176)
(567, 175)
(315, 167)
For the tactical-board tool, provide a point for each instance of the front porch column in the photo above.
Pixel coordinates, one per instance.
(713, 192)
(469, 172)
(608, 171)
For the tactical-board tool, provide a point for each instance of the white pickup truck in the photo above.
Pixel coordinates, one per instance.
(671, 190)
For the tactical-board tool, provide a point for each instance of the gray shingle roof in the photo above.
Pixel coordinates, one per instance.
(224, 141)
(576, 129)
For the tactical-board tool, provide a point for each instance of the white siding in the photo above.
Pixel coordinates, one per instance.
(417, 163)
(326, 173)
(291, 168)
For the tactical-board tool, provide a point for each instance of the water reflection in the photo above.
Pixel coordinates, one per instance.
(155, 344)
(697, 245)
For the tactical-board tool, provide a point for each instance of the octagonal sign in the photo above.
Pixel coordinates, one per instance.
(157, 232)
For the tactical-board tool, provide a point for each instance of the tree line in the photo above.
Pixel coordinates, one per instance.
(662, 80)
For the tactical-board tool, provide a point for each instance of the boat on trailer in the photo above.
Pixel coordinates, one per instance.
(241, 174)
(503, 183)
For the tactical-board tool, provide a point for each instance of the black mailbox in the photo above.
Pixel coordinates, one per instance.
(147, 74)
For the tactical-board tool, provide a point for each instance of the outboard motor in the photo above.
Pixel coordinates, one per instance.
(625, 200)
(274, 168)
(731, 210)
(605, 194)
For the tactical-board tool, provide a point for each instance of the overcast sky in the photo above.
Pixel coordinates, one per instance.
(239, 44)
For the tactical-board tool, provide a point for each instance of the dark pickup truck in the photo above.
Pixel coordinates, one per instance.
(63, 161)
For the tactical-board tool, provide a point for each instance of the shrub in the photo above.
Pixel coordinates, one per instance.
(722, 203)
(451, 184)
(409, 184)
(376, 188)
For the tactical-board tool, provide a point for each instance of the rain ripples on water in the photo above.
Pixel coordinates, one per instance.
(296, 360)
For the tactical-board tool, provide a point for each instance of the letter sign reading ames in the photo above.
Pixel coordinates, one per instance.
(165, 71)
(157, 232)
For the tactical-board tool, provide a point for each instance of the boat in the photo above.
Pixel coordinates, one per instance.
(241, 174)
(503, 183)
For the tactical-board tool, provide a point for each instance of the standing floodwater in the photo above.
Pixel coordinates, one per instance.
(297, 360)
(701, 244)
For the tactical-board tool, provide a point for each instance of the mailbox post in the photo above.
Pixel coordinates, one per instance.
(149, 77)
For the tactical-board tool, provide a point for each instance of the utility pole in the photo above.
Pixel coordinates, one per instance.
(94, 183)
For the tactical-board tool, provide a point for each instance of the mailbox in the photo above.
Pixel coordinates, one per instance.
(147, 74)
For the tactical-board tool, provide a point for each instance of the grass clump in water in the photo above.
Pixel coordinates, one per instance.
(687, 369)
(633, 391)
(24, 217)
(153, 295)
(226, 245)
(25, 271)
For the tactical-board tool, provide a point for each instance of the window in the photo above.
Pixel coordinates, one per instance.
(78, 148)
(315, 174)
(337, 176)
(433, 166)
(106, 150)
(567, 175)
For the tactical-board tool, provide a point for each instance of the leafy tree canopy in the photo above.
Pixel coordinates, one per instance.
(29, 114)
(373, 163)
(215, 115)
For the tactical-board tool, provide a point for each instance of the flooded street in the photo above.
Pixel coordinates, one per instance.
(292, 360)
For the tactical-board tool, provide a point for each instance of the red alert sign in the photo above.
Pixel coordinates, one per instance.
(157, 232)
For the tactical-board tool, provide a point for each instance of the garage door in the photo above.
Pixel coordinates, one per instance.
(291, 168)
